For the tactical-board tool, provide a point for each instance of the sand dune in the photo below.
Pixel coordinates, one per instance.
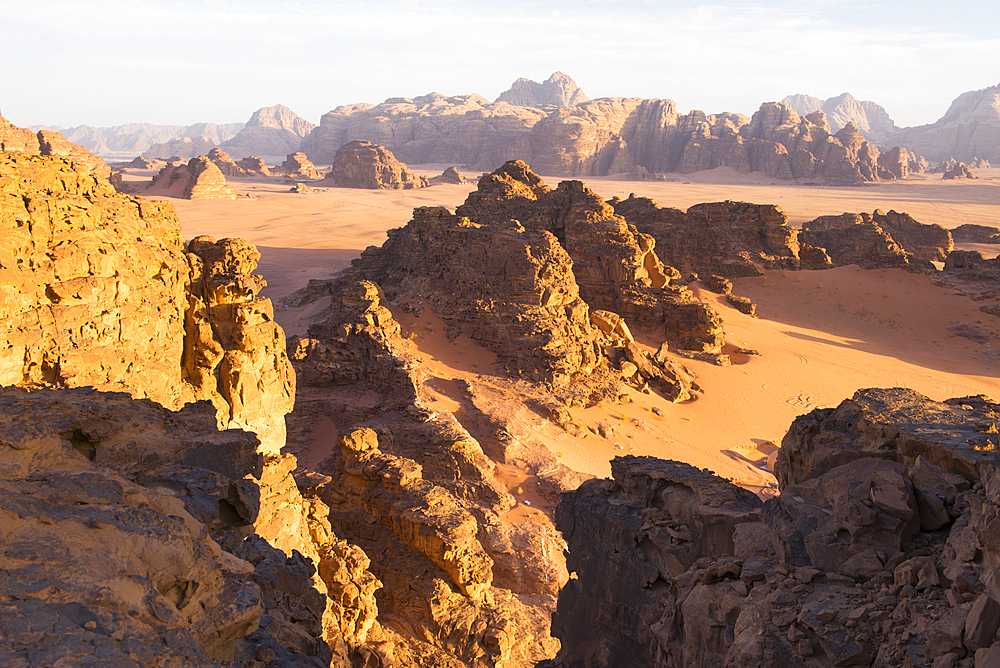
(820, 335)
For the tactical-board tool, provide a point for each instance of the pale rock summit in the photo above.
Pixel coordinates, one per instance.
(271, 133)
(871, 119)
(970, 128)
(559, 89)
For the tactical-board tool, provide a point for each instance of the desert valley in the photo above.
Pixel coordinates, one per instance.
(540, 382)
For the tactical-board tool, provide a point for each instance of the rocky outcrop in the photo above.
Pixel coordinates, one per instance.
(450, 175)
(217, 556)
(959, 171)
(245, 167)
(878, 240)
(362, 164)
(970, 128)
(99, 293)
(978, 234)
(731, 239)
(878, 551)
(270, 133)
(200, 178)
(45, 142)
(298, 166)
(419, 494)
(149, 531)
(559, 89)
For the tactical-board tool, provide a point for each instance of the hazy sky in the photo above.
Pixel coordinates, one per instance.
(106, 62)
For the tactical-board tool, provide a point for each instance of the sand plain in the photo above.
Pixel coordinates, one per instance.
(820, 335)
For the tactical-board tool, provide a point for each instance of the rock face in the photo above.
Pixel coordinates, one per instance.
(44, 142)
(970, 128)
(559, 89)
(362, 164)
(878, 240)
(871, 119)
(878, 552)
(216, 555)
(200, 178)
(731, 239)
(418, 493)
(605, 136)
(99, 293)
(298, 166)
(270, 133)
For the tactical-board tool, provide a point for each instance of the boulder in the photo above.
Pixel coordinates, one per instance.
(362, 164)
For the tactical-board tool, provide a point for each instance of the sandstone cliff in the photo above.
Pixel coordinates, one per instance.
(99, 292)
(361, 164)
(970, 128)
(217, 556)
(878, 552)
(606, 136)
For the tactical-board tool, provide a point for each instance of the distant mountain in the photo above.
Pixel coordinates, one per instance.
(132, 139)
(559, 89)
(871, 119)
(271, 133)
(969, 129)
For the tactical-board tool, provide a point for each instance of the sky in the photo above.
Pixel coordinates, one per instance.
(108, 62)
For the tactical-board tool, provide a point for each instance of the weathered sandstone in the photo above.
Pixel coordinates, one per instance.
(200, 178)
(878, 552)
(362, 164)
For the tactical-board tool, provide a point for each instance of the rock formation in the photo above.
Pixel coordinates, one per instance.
(871, 119)
(362, 164)
(959, 171)
(605, 136)
(731, 239)
(559, 89)
(100, 293)
(878, 240)
(180, 147)
(970, 128)
(298, 166)
(450, 175)
(246, 167)
(217, 557)
(270, 133)
(200, 178)
(44, 142)
(878, 552)
(979, 234)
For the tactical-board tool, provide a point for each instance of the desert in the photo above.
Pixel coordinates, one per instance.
(540, 379)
